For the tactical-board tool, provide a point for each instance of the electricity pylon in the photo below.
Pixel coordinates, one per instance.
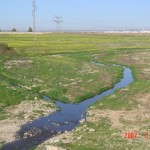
(57, 20)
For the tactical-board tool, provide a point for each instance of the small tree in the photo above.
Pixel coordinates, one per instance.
(14, 30)
(30, 29)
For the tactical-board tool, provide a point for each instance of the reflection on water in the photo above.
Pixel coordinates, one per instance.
(39, 130)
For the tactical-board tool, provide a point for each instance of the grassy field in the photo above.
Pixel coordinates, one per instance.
(116, 116)
(54, 65)
(59, 65)
(125, 112)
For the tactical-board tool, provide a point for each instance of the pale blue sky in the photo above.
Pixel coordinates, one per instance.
(76, 14)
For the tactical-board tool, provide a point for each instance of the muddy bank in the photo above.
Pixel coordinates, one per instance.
(70, 115)
(20, 114)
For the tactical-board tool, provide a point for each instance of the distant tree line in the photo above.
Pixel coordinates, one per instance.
(15, 30)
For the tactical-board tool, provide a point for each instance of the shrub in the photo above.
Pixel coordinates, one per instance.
(4, 48)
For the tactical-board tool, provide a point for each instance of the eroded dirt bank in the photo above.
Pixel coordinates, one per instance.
(20, 114)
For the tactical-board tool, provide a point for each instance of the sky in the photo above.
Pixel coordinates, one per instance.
(76, 14)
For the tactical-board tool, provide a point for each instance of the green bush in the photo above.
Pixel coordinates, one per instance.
(4, 47)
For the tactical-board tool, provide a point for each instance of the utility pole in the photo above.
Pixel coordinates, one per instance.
(33, 14)
(143, 29)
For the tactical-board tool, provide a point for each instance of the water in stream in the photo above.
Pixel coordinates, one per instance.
(39, 130)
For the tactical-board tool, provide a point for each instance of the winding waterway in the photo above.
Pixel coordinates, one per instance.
(36, 132)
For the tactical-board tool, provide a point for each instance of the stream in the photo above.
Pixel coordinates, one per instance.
(36, 132)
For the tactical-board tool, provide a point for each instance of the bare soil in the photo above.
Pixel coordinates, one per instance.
(135, 120)
(20, 114)
(9, 64)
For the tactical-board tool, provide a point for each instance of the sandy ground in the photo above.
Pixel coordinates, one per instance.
(140, 114)
(20, 114)
(136, 120)
(135, 117)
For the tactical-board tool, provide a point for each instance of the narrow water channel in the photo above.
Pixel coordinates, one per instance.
(36, 132)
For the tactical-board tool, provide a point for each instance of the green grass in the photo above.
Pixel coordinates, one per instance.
(59, 66)
(3, 114)
(61, 77)
(102, 131)
(73, 43)
(104, 137)
(68, 76)
(4, 47)
(124, 99)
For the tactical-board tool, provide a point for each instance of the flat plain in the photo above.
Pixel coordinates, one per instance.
(60, 66)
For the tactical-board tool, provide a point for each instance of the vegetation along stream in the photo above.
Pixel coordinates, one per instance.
(66, 119)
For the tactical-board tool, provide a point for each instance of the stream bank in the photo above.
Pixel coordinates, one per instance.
(70, 116)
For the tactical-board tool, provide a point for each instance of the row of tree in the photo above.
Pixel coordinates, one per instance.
(15, 30)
